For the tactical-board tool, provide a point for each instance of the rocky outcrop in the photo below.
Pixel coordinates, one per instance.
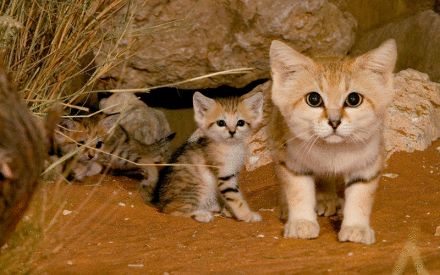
(178, 40)
(413, 120)
(418, 41)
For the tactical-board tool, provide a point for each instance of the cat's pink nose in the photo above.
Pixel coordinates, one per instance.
(232, 133)
(334, 123)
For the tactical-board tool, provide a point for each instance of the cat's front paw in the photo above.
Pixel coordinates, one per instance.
(357, 234)
(327, 205)
(301, 229)
(203, 216)
(251, 217)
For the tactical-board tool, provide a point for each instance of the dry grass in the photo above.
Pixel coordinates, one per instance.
(48, 47)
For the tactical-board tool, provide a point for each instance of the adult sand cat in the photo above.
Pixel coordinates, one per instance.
(327, 123)
(214, 156)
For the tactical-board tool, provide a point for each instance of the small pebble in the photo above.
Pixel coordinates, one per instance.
(121, 204)
(66, 212)
(136, 265)
(276, 238)
(130, 193)
(350, 254)
(126, 219)
(69, 262)
(266, 209)
(408, 216)
(390, 175)
(260, 236)
(384, 241)
(132, 206)
(437, 231)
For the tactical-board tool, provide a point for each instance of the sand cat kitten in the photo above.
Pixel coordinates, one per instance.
(72, 136)
(328, 123)
(129, 129)
(198, 191)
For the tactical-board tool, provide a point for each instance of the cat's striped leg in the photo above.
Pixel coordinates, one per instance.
(299, 197)
(233, 199)
(359, 198)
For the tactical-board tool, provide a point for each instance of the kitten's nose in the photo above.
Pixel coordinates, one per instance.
(90, 155)
(334, 123)
(232, 133)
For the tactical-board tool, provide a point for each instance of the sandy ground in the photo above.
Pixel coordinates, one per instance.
(110, 230)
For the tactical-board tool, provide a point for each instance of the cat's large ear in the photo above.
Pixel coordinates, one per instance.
(380, 60)
(254, 104)
(201, 105)
(285, 61)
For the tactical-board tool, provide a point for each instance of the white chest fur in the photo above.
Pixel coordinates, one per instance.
(333, 158)
(231, 156)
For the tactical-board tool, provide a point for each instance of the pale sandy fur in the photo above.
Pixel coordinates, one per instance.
(306, 147)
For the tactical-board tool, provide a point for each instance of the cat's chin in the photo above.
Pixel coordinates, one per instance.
(333, 139)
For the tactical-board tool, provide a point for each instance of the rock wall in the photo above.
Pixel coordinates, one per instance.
(413, 120)
(178, 40)
(418, 42)
(376, 13)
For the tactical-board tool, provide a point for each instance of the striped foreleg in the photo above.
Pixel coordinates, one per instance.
(234, 200)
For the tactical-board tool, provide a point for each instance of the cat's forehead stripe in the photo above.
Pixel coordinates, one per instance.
(229, 104)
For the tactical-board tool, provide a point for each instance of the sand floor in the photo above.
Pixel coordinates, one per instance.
(111, 231)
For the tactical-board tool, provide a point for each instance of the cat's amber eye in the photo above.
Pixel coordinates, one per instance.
(353, 100)
(221, 123)
(241, 123)
(314, 99)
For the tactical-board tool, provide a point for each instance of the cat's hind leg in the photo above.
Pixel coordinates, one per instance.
(327, 201)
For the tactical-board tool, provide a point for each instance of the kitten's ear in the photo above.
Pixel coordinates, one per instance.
(284, 60)
(201, 105)
(380, 60)
(255, 105)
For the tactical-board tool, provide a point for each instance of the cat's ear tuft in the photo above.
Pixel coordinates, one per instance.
(201, 105)
(285, 60)
(254, 104)
(380, 60)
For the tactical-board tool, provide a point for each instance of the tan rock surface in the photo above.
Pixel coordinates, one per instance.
(413, 120)
(418, 40)
(177, 40)
(375, 13)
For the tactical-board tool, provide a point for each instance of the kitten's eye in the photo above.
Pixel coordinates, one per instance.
(241, 123)
(353, 100)
(314, 99)
(99, 144)
(221, 123)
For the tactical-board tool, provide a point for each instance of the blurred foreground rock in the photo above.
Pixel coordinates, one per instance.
(178, 40)
(413, 120)
(418, 40)
(22, 154)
